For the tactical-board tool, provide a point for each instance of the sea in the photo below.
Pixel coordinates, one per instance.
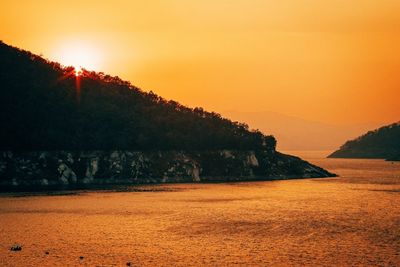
(349, 220)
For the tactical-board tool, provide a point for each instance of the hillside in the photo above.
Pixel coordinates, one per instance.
(380, 143)
(43, 108)
(59, 128)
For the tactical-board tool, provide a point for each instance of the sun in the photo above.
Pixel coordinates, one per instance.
(78, 71)
(79, 55)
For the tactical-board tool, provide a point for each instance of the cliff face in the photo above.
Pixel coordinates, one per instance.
(73, 169)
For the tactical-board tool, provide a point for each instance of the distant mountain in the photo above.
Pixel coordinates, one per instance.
(62, 129)
(380, 143)
(294, 133)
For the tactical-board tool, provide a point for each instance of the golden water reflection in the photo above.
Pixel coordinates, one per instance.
(346, 221)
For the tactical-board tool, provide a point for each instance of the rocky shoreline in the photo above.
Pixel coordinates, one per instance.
(86, 169)
(397, 158)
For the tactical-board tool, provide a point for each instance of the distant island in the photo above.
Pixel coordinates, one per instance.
(382, 143)
(59, 127)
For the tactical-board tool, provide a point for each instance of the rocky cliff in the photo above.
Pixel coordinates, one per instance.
(73, 169)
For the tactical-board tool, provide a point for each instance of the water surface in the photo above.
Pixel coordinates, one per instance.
(352, 220)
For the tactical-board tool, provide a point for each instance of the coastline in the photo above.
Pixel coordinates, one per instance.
(60, 170)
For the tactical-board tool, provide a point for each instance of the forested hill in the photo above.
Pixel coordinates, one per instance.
(43, 108)
(381, 143)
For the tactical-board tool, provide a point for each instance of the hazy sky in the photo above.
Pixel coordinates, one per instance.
(336, 61)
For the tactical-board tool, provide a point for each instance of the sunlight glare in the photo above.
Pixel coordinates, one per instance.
(78, 70)
(79, 55)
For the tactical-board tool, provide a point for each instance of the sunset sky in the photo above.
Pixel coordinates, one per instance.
(334, 61)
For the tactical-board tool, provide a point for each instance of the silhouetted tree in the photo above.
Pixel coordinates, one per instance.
(39, 111)
(381, 143)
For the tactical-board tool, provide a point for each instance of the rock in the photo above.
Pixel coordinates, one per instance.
(92, 168)
(16, 247)
(102, 167)
(227, 154)
(67, 175)
(252, 160)
(47, 253)
(81, 257)
(128, 264)
(70, 158)
(196, 173)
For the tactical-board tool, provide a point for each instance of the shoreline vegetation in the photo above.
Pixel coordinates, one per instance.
(382, 143)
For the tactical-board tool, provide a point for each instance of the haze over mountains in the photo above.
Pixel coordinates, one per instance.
(295, 133)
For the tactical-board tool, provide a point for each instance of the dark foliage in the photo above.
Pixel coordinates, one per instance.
(41, 109)
(381, 143)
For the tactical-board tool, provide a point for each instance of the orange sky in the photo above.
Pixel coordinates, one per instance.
(331, 61)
